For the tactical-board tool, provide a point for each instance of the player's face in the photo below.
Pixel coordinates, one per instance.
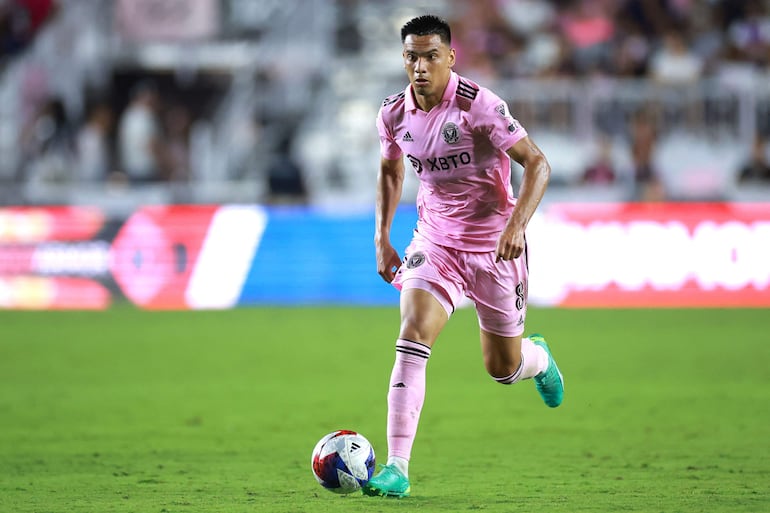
(428, 63)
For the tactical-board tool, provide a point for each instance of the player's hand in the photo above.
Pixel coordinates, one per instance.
(388, 261)
(510, 245)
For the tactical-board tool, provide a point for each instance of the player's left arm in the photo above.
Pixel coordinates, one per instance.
(537, 172)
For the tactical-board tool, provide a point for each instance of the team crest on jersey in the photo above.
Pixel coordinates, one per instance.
(415, 260)
(502, 110)
(451, 133)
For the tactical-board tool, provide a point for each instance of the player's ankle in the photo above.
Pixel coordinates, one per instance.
(402, 464)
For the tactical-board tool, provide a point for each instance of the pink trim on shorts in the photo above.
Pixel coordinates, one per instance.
(502, 329)
(435, 291)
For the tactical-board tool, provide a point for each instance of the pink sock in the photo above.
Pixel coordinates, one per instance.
(534, 359)
(406, 396)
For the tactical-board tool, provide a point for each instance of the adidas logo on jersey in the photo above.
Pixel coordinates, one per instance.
(407, 137)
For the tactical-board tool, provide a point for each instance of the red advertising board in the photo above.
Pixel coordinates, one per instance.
(50, 260)
(42, 224)
(652, 255)
(204, 256)
(154, 253)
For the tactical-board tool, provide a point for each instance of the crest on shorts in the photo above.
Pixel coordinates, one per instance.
(450, 132)
(415, 260)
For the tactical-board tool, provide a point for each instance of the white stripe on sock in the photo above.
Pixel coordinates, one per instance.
(513, 378)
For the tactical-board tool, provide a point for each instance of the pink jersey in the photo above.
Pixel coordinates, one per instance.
(458, 151)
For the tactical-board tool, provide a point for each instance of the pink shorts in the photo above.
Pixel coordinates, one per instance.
(498, 289)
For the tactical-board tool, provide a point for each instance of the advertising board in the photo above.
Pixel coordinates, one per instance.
(223, 256)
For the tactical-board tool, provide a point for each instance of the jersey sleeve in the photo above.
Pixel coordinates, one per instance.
(388, 147)
(494, 119)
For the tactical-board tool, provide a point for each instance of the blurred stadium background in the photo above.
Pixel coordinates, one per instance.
(208, 154)
(167, 150)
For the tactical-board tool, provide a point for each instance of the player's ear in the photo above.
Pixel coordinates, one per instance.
(451, 57)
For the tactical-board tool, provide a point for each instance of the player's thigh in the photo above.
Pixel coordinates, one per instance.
(431, 287)
(423, 316)
(502, 355)
(432, 268)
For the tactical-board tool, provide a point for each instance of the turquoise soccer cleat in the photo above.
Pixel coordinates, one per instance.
(550, 383)
(389, 482)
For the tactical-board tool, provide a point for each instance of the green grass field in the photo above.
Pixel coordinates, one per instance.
(130, 411)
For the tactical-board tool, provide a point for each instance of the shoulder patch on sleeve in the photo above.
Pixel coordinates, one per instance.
(393, 99)
(467, 89)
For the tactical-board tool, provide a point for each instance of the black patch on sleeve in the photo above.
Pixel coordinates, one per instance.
(393, 99)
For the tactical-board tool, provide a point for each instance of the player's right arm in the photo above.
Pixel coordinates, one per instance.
(390, 181)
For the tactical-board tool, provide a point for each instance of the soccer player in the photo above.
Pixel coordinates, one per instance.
(469, 240)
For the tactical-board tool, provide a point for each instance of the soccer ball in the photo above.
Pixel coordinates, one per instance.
(343, 461)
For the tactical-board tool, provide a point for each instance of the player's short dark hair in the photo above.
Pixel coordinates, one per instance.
(427, 25)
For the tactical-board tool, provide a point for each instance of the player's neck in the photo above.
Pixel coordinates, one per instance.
(427, 102)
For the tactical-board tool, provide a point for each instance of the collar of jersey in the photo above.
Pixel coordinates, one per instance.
(449, 92)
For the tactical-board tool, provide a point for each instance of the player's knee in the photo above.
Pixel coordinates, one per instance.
(419, 329)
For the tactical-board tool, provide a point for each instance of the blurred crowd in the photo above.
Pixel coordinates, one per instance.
(647, 179)
(670, 41)
(20, 21)
(146, 138)
(674, 43)
(146, 142)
